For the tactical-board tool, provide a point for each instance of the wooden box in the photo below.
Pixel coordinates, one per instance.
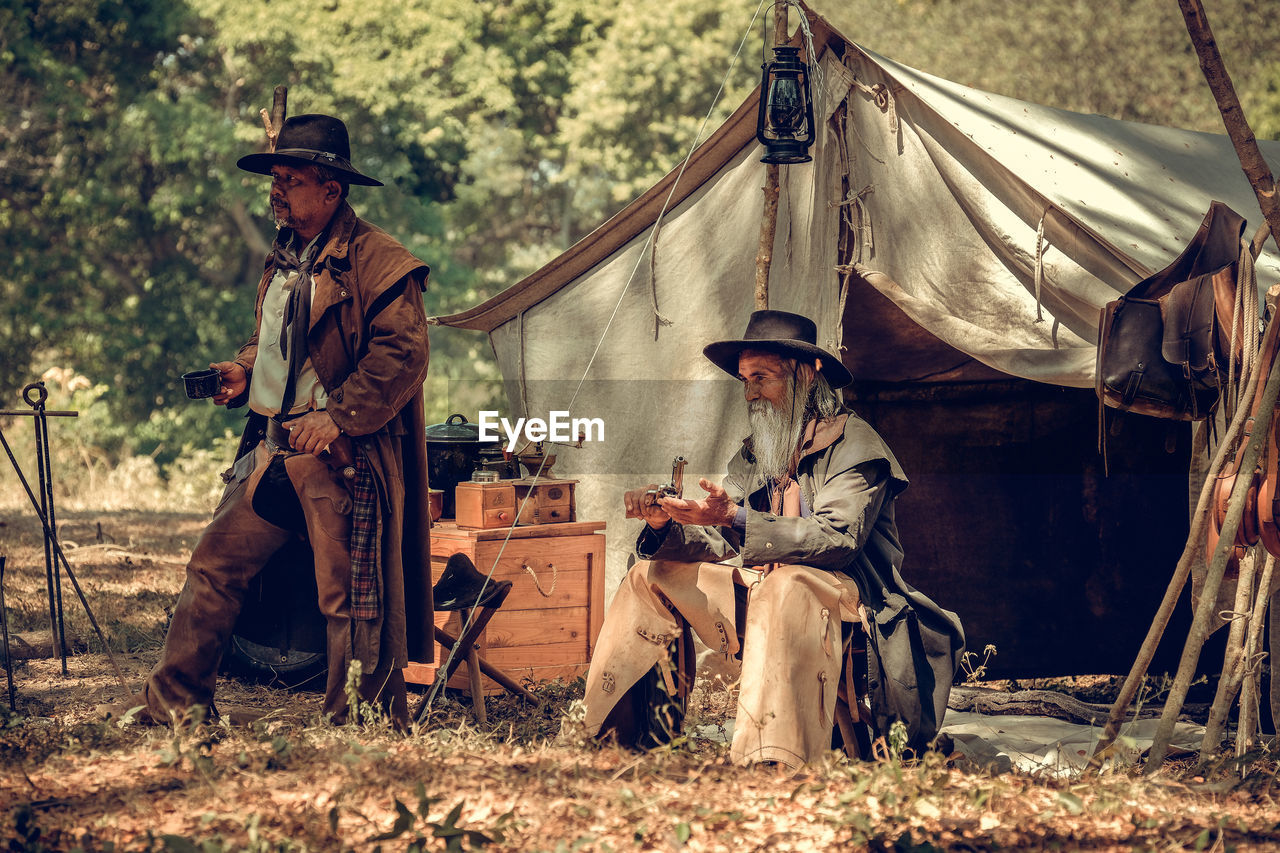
(485, 505)
(545, 501)
(547, 627)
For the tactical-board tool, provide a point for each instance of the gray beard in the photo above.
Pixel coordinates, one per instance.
(775, 435)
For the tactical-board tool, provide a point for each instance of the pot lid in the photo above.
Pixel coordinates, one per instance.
(456, 429)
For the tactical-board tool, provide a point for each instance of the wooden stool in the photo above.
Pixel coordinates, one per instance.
(463, 587)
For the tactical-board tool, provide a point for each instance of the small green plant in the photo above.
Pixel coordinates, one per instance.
(360, 712)
(191, 742)
(446, 829)
(897, 740)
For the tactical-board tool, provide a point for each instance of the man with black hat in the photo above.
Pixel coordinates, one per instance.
(769, 568)
(335, 445)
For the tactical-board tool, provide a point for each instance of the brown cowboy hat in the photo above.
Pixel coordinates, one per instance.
(781, 332)
(310, 140)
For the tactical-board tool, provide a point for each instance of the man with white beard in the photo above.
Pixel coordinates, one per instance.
(774, 569)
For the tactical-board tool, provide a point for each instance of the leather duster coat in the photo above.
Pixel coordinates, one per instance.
(368, 345)
(849, 480)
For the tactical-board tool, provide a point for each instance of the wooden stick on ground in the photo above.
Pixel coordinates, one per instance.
(1247, 727)
(1233, 662)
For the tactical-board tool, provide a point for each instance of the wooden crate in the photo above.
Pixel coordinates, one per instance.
(548, 626)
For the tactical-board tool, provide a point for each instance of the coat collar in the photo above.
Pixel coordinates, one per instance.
(334, 251)
(821, 434)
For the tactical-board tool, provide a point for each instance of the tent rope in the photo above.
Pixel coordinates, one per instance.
(818, 90)
(1243, 333)
(1039, 273)
(659, 319)
(426, 704)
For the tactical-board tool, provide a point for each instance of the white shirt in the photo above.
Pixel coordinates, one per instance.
(271, 368)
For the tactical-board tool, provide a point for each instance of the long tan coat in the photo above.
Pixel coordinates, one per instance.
(368, 345)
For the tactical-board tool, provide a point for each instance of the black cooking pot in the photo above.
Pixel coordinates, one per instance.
(453, 452)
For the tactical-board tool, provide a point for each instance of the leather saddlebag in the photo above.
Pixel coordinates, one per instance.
(1162, 347)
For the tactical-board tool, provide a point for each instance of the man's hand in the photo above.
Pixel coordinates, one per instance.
(312, 433)
(234, 381)
(715, 509)
(639, 503)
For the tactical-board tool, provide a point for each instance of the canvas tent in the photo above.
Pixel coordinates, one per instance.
(955, 246)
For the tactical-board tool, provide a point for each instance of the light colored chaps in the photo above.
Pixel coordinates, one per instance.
(791, 647)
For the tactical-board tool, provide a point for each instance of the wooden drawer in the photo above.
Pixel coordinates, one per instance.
(485, 505)
(545, 501)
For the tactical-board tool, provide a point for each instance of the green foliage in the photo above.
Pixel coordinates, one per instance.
(96, 459)
(445, 833)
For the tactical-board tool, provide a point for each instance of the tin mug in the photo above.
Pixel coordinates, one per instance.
(201, 384)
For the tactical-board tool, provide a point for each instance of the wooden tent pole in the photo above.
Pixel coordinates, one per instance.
(1233, 117)
(1217, 568)
(1233, 662)
(1190, 553)
(1247, 727)
(769, 218)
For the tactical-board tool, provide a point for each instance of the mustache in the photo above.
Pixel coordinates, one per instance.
(765, 407)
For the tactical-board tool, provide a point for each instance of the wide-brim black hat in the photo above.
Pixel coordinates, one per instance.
(310, 140)
(786, 334)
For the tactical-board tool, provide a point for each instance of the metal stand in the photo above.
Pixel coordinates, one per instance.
(4, 627)
(35, 395)
(52, 548)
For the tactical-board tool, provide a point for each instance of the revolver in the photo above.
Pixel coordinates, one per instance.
(673, 489)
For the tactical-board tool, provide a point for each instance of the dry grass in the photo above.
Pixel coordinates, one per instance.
(290, 782)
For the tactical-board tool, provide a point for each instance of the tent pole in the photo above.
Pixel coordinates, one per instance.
(1190, 552)
(769, 218)
(1217, 568)
(1233, 118)
(1233, 662)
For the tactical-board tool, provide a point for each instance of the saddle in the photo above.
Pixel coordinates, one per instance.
(1162, 347)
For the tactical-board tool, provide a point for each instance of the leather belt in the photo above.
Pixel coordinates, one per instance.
(339, 455)
(277, 435)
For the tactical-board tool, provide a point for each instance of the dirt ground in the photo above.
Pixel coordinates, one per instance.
(288, 781)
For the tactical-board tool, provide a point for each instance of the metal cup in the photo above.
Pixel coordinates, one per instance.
(201, 384)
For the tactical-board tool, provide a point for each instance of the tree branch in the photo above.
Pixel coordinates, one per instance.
(1215, 73)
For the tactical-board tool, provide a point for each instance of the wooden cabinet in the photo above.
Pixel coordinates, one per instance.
(547, 627)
